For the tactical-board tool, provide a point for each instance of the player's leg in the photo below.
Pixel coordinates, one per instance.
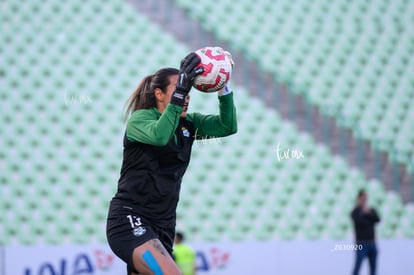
(151, 258)
(372, 258)
(360, 255)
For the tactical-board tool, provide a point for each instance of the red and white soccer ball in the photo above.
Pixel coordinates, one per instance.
(217, 69)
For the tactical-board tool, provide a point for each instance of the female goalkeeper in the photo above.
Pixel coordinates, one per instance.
(157, 148)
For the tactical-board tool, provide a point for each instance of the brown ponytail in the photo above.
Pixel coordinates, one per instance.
(143, 97)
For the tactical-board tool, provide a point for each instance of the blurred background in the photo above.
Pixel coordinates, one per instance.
(333, 80)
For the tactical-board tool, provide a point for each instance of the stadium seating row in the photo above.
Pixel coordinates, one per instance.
(354, 60)
(62, 132)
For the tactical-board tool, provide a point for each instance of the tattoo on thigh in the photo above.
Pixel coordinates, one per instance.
(159, 247)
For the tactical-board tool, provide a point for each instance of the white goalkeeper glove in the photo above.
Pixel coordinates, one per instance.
(227, 88)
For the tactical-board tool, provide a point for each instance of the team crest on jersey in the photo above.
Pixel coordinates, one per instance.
(186, 133)
(139, 231)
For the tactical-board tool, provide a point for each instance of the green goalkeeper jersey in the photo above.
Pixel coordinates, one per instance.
(157, 149)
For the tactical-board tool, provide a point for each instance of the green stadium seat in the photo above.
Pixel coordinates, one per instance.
(241, 176)
(343, 56)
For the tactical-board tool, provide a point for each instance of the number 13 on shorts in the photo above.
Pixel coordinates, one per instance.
(134, 221)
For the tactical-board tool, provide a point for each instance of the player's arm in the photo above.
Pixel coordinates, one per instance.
(144, 125)
(148, 126)
(224, 124)
(375, 216)
(357, 216)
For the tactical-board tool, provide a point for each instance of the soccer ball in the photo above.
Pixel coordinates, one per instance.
(217, 69)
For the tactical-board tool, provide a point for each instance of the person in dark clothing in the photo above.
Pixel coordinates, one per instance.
(157, 148)
(364, 219)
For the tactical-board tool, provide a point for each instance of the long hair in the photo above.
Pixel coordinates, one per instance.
(143, 97)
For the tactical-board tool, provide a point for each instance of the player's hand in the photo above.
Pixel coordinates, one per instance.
(188, 72)
(230, 57)
(186, 75)
(226, 89)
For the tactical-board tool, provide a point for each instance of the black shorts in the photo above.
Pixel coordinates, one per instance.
(126, 230)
